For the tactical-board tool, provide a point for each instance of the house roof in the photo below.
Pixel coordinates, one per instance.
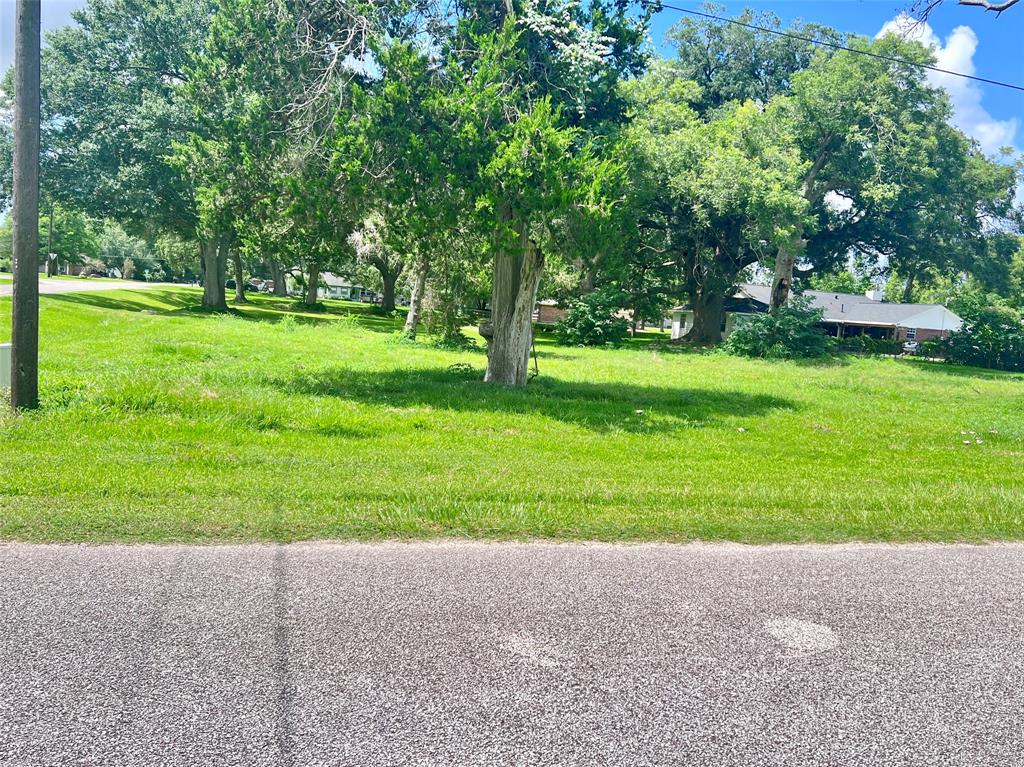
(334, 281)
(853, 308)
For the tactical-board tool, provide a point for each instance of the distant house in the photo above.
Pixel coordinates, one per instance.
(333, 286)
(843, 315)
(548, 312)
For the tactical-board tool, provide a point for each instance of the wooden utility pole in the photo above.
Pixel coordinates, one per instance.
(25, 213)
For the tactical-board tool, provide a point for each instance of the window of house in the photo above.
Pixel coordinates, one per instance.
(911, 334)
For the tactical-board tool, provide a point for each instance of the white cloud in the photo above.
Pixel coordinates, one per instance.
(957, 55)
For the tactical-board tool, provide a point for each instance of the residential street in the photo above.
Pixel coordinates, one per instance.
(50, 286)
(508, 654)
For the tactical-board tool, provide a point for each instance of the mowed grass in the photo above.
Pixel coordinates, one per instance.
(160, 423)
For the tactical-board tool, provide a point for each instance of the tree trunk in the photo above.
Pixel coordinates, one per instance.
(25, 209)
(517, 271)
(312, 284)
(419, 286)
(707, 317)
(908, 287)
(388, 279)
(51, 259)
(236, 258)
(785, 259)
(782, 283)
(213, 276)
(277, 276)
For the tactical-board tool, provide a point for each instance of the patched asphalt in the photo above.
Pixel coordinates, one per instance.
(511, 654)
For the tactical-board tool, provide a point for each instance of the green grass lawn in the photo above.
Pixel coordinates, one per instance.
(160, 423)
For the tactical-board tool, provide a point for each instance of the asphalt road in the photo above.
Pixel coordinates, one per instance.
(49, 286)
(477, 654)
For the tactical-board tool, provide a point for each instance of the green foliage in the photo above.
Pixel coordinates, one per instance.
(842, 281)
(865, 344)
(711, 196)
(791, 332)
(74, 236)
(112, 111)
(592, 321)
(733, 63)
(991, 337)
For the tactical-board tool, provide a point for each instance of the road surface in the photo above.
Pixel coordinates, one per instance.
(501, 654)
(49, 286)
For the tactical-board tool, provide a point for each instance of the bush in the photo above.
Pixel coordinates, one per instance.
(991, 337)
(591, 321)
(792, 332)
(933, 347)
(869, 345)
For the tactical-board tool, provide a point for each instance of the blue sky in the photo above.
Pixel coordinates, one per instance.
(966, 39)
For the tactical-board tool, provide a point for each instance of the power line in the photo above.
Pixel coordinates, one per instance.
(829, 44)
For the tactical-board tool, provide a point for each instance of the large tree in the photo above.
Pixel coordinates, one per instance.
(113, 115)
(888, 177)
(540, 81)
(718, 194)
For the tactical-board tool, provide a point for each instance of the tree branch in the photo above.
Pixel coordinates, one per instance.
(990, 6)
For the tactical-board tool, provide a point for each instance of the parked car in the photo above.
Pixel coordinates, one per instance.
(910, 347)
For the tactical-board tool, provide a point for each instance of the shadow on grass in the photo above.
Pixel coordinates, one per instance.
(962, 371)
(597, 406)
(181, 303)
(179, 300)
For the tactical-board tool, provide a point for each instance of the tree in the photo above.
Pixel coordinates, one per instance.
(736, 63)
(719, 194)
(116, 249)
(992, 336)
(531, 85)
(113, 115)
(67, 234)
(6, 141)
(376, 249)
(886, 175)
(411, 161)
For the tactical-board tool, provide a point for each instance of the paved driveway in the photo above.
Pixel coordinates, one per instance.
(49, 286)
(476, 654)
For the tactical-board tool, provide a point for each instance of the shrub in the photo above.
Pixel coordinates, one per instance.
(592, 321)
(933, 347)
(991, 337)
(869, 345)
(793, 331)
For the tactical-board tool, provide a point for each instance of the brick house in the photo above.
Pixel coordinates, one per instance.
(843, 315)
(548, 312)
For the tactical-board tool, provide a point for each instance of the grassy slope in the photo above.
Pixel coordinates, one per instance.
(160, 424)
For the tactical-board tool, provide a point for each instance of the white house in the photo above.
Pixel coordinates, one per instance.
(333, 286)
(843, 315)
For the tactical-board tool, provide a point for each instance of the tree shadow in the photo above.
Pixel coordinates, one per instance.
(962, 371)
(177, 299)
(601, 407)
(269, 309)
